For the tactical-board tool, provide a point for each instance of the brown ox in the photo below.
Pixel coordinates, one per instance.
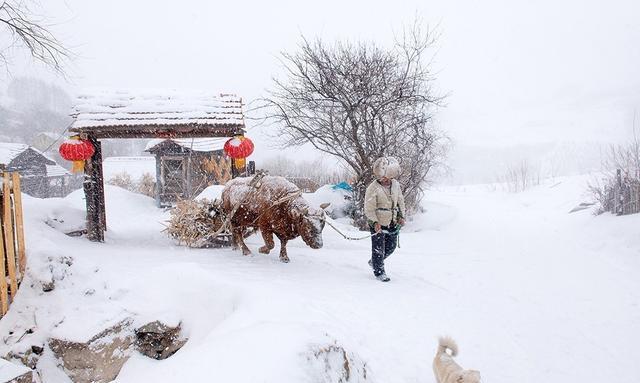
(273, 206)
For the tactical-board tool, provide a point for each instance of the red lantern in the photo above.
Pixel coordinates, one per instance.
(76, 150)
(238, 148)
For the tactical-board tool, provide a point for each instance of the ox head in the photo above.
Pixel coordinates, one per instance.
(309, 223)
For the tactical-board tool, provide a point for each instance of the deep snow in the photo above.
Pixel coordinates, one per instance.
(531, 293)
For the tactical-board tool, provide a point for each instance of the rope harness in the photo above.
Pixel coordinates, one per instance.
(255, 184)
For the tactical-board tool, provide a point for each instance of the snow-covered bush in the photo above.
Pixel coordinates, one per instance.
(619, 189)
(519, 177)
(123, 180)
(145, 185)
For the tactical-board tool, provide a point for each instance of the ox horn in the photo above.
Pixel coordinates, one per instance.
(325, 205)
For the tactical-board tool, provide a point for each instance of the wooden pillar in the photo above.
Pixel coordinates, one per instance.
(238, 171)
(234, 169)
(101, 203)
(186, 163)
(158, 179)
(94, 194)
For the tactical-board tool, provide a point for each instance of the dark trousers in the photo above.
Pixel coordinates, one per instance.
(382, 246)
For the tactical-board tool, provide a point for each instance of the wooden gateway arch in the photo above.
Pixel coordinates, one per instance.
(109, 115)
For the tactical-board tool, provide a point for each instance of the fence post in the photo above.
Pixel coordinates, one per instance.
(4, 297)
(19, 220)
(9, 240)
(12, 249)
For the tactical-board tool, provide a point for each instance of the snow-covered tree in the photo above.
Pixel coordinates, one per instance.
(359, 101)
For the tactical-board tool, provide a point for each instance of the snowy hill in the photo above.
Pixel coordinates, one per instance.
(530, 292)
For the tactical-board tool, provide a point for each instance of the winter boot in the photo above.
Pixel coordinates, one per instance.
(383, 278)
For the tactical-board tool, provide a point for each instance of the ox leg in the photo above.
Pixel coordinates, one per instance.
(268, 242)
(239, 240)
(283, 251)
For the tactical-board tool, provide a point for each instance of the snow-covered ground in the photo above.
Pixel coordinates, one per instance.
(531, 293)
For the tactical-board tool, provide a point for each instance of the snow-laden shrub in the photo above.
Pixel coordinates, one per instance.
(519, 177)
(619, 189)
(123, 180)
(146, 185)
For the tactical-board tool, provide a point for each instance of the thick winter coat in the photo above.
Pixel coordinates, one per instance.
(274, 206)
(383, 204)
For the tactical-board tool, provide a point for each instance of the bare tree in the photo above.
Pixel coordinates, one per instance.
(358, 102)
(25, 30)
(519, 176)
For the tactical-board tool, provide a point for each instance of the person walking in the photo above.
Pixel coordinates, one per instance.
(384, 208)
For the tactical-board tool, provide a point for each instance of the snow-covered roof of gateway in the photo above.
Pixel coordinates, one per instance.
(10, 150)
(194, 144)
(124, 108)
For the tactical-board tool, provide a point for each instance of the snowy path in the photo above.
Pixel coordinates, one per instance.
(532, 294)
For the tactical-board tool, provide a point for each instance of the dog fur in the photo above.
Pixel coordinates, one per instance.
(446, 369)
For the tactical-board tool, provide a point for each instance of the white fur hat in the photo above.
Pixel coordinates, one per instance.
(386, 167)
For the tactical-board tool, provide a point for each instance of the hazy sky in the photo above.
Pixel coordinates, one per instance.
(516, 71)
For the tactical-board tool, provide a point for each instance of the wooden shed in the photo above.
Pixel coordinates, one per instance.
(162, 115)
(185, 167)
(40, 176)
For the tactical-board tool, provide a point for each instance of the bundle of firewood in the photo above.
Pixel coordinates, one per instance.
(192, 224)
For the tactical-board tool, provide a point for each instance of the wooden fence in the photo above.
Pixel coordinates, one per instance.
(13, 260)
(625, 195)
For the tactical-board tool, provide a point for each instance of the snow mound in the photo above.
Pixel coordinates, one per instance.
(435, 217)
(339, 199)
(211, 193)
(66, 219)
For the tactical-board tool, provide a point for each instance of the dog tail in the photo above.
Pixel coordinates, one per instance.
(446, 343)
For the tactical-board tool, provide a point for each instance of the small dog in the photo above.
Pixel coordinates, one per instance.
(446, 369)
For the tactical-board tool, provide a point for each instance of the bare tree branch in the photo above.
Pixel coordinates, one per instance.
(24, 31)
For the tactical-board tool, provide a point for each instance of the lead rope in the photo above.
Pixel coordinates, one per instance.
(394, 232)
